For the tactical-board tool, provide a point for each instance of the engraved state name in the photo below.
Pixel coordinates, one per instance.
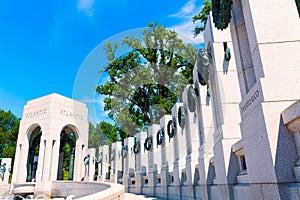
(71, 114)
(250, 101)
(35, 113)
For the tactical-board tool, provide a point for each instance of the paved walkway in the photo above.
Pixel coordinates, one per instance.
(130, 196)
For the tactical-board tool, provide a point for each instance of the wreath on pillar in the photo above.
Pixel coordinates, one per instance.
(99, 158)
(148, 143)
(181, 116)
(171, 128)
(160, 136)
(2, 168)
(124, 151)
(86, 160)
(112, 155)
(191, 95)
(221, 12)
(136, 147)
(203, 65)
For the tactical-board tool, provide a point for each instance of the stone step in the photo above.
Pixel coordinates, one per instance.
(130, 196)
(23, 188)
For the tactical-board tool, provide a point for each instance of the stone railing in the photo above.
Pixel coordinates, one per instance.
(87, 190)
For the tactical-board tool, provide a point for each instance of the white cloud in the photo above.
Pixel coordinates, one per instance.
(95, 106)
(86, 6)
(186, 10)
(186, 27)
(185, 31)
(98, 99)
(88, 100)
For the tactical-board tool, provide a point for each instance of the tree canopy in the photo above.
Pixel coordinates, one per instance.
(102, 133)
(298, 6)
(148, 80)
(9, 128)
(202, 17)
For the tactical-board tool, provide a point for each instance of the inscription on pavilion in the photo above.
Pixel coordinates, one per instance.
(62, 111)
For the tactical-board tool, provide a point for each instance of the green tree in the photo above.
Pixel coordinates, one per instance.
(94, 137)
(101, 134)
(66, 162)
(298, 6)
(9, 128)
(148, 80)
(202, 17)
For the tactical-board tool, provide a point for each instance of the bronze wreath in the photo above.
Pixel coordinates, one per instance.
(221, 12)
(112, 155)
(99, 158)
(160, 136)
(148, 143)
(124, 151)
(136, 147)
(171, 128)
(86, 160)
(2, 168)
(181, 116)
(203, 65)
(191, 97)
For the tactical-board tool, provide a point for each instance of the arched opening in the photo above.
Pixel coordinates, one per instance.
(68, 138)
(33, 153)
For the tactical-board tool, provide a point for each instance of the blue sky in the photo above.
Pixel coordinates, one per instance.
(44, 43)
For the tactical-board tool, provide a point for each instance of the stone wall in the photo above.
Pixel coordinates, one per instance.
(242, 139)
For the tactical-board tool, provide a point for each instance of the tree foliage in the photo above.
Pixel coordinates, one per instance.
(298, 6)
(202, 17)
(9, 128)
(102, 133)
(148, 80)
(66, 161)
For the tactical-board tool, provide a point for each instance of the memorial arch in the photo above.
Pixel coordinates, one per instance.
(52, 142)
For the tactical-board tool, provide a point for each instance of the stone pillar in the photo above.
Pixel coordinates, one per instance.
(113, 155)
(118, 166)
(190, 129)
(138, 159)
(144, 154)
(129, 162)
(105, 162)
(21, 156)
(47, 160)
(116, 162)
(54, 162)
(144, 163)
(91, 166)
(164, 173)
(79, 167)
(100, 165)
(205, 129)
(179, 151)
(270, 42)
(43, 184)
(224, 98)
(152, 156)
